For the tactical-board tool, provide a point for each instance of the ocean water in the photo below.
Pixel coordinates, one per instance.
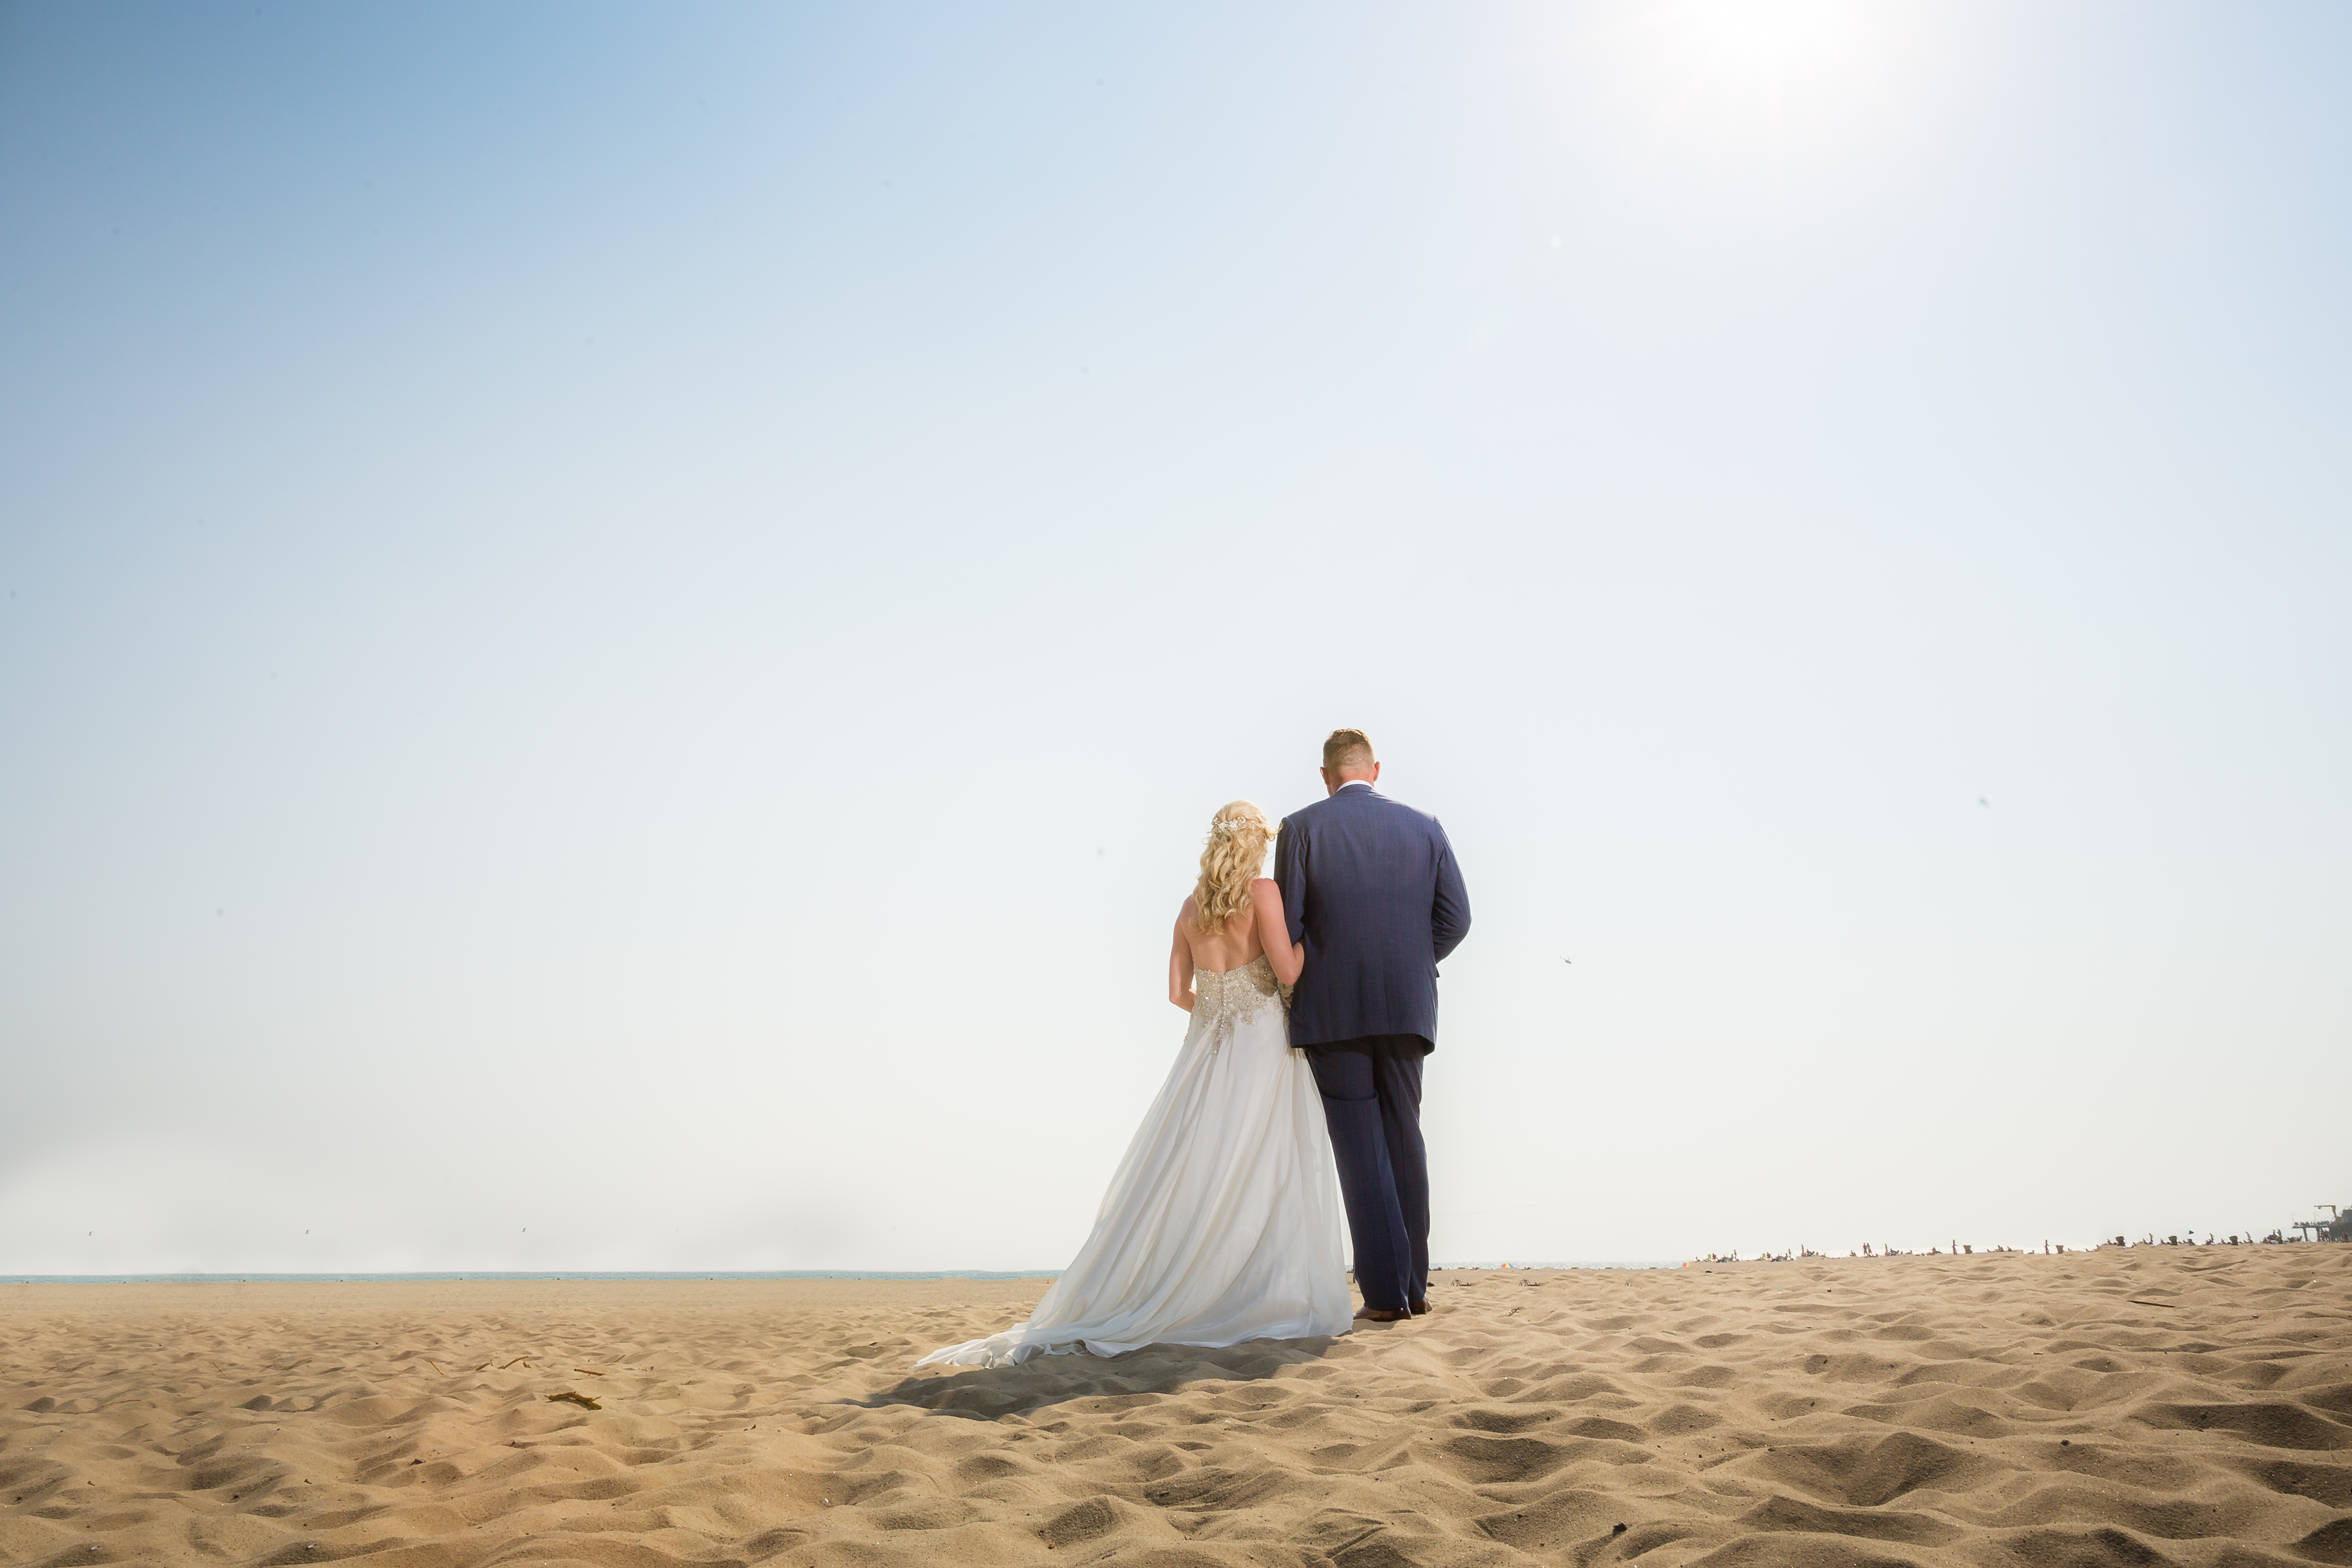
(1577, 1263)
(486, 1274)
(591, 1274)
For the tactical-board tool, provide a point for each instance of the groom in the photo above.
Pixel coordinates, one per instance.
(1370, 887)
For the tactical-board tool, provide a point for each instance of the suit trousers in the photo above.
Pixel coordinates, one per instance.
(1372, 1105)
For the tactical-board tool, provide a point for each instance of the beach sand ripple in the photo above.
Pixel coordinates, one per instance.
(2150, 1406)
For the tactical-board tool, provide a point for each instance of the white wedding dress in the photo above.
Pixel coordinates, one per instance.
(1222, 1223)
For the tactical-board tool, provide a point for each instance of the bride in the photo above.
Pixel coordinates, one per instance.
(1223, 1222)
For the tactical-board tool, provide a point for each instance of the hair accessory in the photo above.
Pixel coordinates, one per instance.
(1228, 825)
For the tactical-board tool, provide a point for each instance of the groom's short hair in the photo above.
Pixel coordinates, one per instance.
(1348, 749)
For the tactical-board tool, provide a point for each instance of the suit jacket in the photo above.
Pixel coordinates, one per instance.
(1370, 885)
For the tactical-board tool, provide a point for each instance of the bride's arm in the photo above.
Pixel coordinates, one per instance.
(1289, 957)
(1180, 962)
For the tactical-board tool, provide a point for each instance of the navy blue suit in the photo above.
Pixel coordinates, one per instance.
(1369, 886)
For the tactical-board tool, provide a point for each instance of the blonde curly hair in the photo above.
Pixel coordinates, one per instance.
(1239, 837)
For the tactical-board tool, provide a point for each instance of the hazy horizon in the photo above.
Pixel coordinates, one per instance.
(621, 626)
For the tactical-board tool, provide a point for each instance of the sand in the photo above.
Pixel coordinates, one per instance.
(2188, 1405)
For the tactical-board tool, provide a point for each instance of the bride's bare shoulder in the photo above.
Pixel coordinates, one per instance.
(1188, 921)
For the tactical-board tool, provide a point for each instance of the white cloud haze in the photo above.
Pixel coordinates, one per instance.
(621, 623)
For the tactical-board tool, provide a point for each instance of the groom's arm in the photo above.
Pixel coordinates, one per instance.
(1449, 911)
(1290, 875)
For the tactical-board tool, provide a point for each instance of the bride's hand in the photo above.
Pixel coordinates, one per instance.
(1288, 957)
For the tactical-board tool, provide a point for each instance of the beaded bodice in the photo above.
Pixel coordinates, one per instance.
(1223, 998)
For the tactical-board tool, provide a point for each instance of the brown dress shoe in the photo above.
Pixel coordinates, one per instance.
(1420, 1309)
(1380, 1314)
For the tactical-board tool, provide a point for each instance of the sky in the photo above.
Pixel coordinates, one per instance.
(622, 622)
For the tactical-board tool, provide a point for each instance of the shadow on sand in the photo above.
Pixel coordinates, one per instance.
(986, 1393)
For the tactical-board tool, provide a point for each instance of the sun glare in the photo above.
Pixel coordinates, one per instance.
(1772, 44)
(1786, 82)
